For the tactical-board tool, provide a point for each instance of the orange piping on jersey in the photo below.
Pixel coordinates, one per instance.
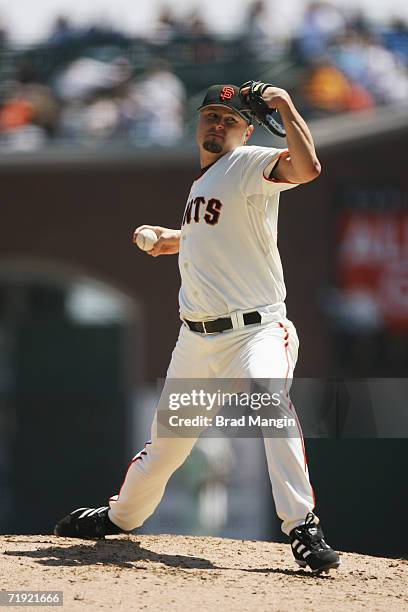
(135, 458)
(300, 432)
(285, 329)
(291, 406)
(274, 180)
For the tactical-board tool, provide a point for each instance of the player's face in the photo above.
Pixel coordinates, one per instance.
(220, 130)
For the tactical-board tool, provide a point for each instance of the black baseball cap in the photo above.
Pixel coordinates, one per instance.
(229, 96)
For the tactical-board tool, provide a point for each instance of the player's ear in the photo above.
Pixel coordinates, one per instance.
(248, 133)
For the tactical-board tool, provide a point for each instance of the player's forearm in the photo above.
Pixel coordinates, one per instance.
(304, 165)
(301, 147)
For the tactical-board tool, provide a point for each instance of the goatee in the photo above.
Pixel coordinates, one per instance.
(212, 147)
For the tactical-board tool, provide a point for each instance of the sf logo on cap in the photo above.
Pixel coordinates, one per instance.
(227, 93)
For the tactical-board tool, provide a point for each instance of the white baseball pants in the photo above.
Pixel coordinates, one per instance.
(253, 352)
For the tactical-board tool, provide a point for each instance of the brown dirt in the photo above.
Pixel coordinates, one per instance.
(195, 573)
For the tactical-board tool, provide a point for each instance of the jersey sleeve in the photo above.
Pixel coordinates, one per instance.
(257, 164)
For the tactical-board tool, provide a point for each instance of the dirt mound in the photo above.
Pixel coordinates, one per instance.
(189, 573)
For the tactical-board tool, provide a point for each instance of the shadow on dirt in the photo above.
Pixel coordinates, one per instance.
(127, 553)
(119, 553)
(300, 573)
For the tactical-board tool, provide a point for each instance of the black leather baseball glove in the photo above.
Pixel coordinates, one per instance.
(268, 117)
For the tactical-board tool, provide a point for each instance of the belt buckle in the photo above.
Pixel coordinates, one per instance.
(208, 333)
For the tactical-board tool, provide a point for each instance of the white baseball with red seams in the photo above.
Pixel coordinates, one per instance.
(146, 239)
(229, 264)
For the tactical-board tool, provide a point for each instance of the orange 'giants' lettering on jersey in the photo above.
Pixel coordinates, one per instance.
(187, 213)
(213, 211)
(197, 202)
(211, 214)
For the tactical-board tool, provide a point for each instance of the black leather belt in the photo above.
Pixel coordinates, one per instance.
(223, 324)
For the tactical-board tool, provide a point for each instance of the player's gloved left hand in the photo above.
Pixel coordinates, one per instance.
(269, 118)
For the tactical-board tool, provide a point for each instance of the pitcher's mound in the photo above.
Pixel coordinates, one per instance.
(180, 573)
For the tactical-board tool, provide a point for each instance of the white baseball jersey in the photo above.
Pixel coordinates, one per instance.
(229, 258)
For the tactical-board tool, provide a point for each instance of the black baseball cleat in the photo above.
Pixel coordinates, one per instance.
(309, 547)
(87, 523)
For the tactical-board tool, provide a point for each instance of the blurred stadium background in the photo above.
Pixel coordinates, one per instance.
(96, 137)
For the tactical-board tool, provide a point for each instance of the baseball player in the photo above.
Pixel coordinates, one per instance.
(232, 307)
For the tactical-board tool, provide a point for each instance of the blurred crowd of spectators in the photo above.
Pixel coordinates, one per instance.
(350, 66)
(83, 85)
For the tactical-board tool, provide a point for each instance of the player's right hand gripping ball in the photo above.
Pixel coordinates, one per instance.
(146, 239)
(269, 118)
